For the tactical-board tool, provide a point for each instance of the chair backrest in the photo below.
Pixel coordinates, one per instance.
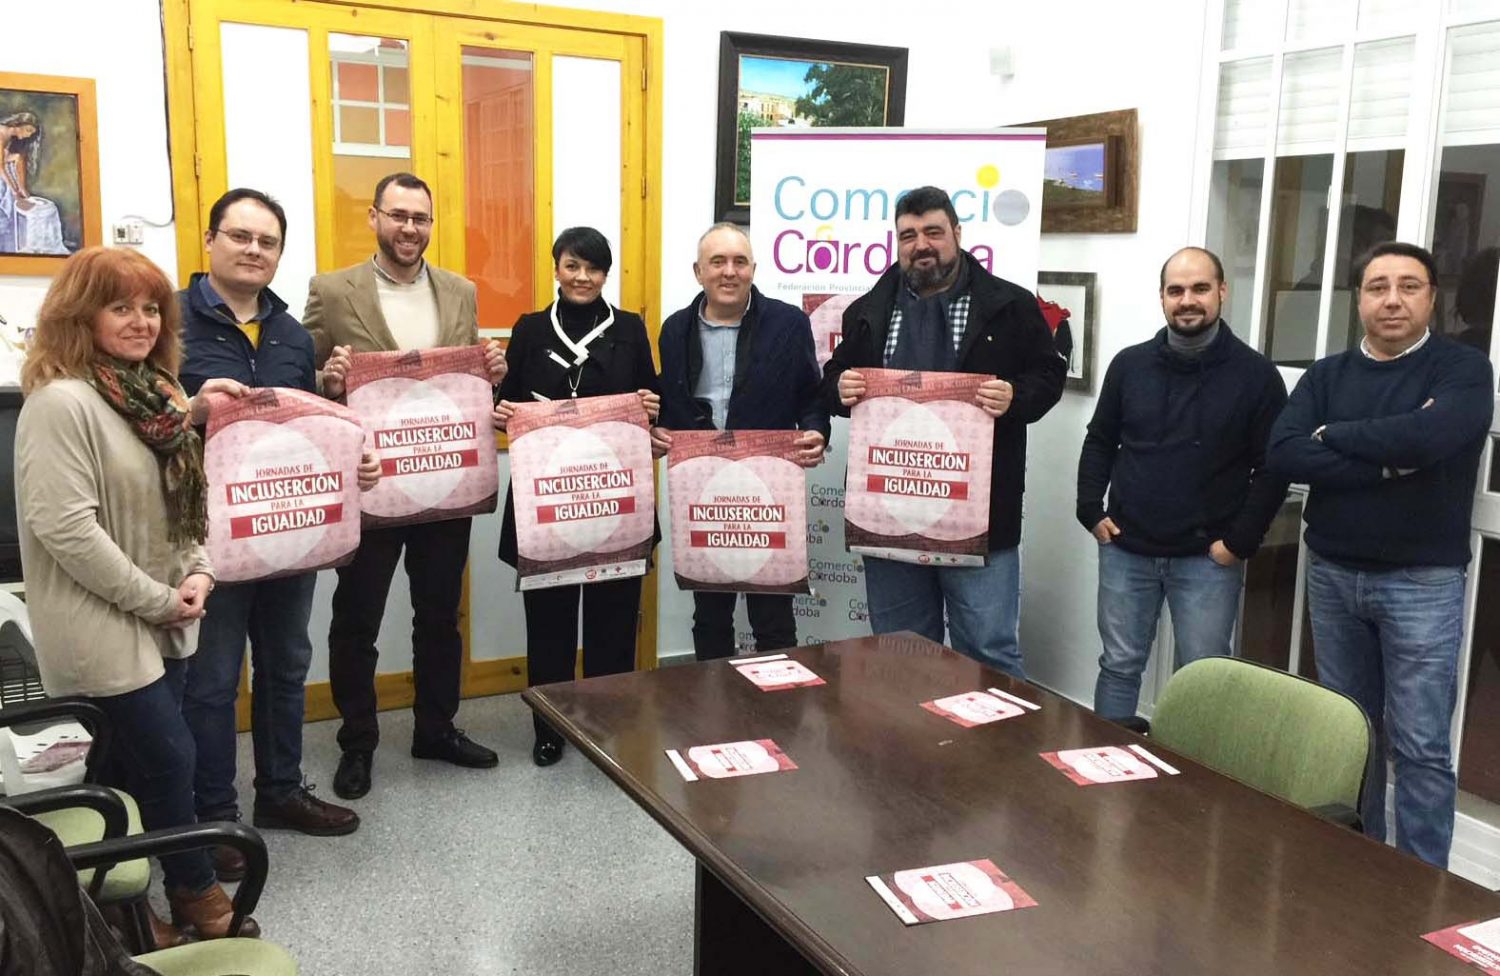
(1288, 736)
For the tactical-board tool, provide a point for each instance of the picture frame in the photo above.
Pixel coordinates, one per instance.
(49, 171)
(1092, 181)
(1075, 291)
(766, 80)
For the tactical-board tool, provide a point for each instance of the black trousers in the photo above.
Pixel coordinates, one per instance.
(436, 553)
(771, 622)
(611, 615)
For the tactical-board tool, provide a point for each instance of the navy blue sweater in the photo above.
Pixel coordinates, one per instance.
(1181, 443)
(1360, 512)
(214, 347)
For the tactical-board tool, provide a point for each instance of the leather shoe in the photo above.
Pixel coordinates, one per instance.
(164, 935)
(229, 864)
(300, 810)
(207, 913)
(546, 751)
(352, 779)
(458, 749)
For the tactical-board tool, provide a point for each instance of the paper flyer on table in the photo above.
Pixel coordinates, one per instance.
(948, 891)
(975, 708)
(582, 484)
(739, 511)
(1476, 943)
(778, 674)
(1108, 764)
(919, 469)
(428, 414)
(283, 484)
(728, 759)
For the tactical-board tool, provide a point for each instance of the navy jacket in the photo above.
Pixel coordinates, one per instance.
(1181, 443)
(775, 371)
(1362, 510)
(214, 347)
(1006, 337)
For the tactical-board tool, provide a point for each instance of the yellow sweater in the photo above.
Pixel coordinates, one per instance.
(100, 575)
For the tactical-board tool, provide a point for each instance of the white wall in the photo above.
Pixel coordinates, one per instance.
(118, 44)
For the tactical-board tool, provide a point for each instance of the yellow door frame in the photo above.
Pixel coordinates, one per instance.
(434, 29)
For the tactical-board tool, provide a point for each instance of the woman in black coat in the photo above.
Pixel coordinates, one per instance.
(579, 346)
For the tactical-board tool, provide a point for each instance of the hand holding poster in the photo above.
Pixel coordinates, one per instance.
(739, 511)
(283, 494)
(583, 489)
(428, 411)
(919, 469)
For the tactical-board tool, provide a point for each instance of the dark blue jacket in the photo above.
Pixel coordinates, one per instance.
(775, 371)
(214, 347)
(1362, 510)
(1181, 443)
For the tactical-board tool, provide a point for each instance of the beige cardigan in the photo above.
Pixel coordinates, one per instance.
(100, 575)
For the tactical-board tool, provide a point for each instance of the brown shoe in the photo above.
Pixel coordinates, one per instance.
(229, 864)
(164, 935)
(300, 810)
(208, 913)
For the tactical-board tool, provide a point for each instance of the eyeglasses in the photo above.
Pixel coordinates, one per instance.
(244, 237)
(400, 217)
(1409, 287)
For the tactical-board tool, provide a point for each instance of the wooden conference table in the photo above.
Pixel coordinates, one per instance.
(1189, 874)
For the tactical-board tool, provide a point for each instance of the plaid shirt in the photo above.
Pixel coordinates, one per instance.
(958, 321)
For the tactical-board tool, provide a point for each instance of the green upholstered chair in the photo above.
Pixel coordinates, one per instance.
(1284, 735)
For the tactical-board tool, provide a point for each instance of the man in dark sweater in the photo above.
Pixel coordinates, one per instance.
(737, 360)
(1388, 438)
(1179, 438)
(940, 310)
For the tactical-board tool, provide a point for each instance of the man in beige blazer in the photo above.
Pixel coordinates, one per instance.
(396, 300)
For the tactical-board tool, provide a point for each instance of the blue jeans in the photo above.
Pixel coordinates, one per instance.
(983, 605)
(1390, 640)
(273, 614)
(152, 758)
(1203, 596)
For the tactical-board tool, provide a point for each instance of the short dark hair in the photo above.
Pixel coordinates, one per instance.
(1218, 265)
(925, 199)
(1400, 249)
(216, 212)
(583, 242)
(410, 181)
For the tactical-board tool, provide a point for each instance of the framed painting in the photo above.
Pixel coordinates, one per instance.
(1074, 291)
(49, 171)
(788, 81)
(1091, 182)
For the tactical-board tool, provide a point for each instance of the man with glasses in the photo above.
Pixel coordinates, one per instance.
(1388, 438)
(396, 300)
(234, 326)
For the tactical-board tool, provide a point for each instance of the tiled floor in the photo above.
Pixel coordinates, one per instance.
(458, 871)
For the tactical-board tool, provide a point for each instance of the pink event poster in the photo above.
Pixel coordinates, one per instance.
(776, 672)
(826, 312)
(948, 891)
(583, 488)
(428, 412)
(918, 484)
(727, 759)
(1477, 943)
(739, 511)
(1108, 764)
(283, 484)
(975, 708)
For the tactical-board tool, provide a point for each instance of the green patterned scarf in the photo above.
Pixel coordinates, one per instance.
(156, 408)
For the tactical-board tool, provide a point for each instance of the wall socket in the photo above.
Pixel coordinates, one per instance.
(128, 232)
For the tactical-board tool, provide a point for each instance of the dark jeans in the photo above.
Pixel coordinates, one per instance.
(771, 622)
(152, 759)
(611, 614)
(436, 553)
(273, 614)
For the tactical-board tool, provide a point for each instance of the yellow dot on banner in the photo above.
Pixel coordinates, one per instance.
(824, 232)
(988, 176)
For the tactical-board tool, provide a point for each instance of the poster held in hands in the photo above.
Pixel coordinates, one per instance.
(283, 484)
(582, 485)
(739, 511)
(919, 469)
